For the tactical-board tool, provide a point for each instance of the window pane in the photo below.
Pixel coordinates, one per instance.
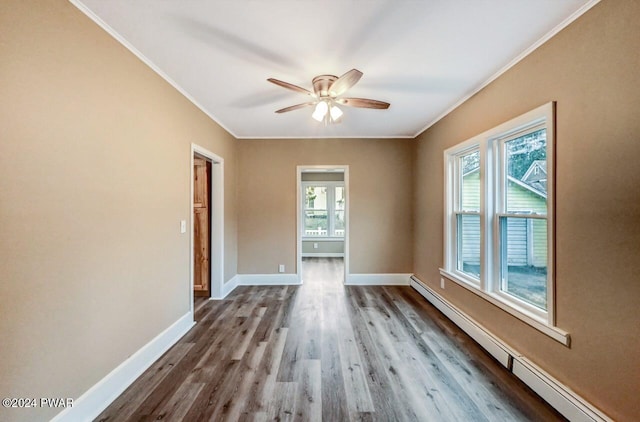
(340, 198)
(315, 223)
(338, 224)
(469, 244)
(523, 259)
(316, 198)
(526, 163)
(470, 182)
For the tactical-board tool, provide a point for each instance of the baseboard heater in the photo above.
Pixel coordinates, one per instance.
(561, 397)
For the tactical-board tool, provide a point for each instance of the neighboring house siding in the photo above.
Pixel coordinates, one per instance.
(530, 246)
(517, 242)
(526, 238)
(471, 239)
(539, 256)
(471, 191)
(471, 224)
(519, 198)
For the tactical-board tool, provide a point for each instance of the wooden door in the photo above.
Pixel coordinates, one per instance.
(201, 236)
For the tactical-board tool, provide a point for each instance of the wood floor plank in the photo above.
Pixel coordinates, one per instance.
(334, 398)
(269, 322)
(456, 362)
(282, 406)
(264, 386)
(246, 337)
(240, 399)
(195, 366)
(471, 364)
(406, 388)
(181, 401)
(211, 312)
(327, 352)
(309, 392)
(383, 396)
(420, 353)
(132, 398)
(353, 375)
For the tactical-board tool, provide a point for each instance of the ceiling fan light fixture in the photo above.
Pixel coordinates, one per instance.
(321, 110)
(335, 112)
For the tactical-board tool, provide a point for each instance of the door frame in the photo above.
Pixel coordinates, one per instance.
(299, 170)
(216, 231)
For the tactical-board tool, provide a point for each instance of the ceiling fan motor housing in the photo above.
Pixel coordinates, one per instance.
(322, 83)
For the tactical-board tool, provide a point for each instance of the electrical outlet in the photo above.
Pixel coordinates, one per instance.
(441, 283)
(281, 268)
(315, 246)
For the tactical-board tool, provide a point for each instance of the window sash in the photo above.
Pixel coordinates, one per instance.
(457, 169)
(500, 169)
(502, 273)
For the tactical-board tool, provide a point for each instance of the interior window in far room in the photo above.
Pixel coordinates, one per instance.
(323, 209)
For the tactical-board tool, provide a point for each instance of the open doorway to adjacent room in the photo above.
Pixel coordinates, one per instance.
(323, 215)
(207, 219)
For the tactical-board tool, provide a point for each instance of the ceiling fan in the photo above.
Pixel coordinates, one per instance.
(327, 95)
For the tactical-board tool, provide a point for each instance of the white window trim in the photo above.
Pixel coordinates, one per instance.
(330, 209)
(490, 144)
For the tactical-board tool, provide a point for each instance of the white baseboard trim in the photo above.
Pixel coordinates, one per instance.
(561, 397)
(322, 255)
(378, 279)
(89, 405)
(268, 279)
(228, 287)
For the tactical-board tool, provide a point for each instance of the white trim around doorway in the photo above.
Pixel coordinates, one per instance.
(217, 223)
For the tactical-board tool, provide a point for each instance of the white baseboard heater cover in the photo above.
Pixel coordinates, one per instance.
(564, 400)
(561, 397)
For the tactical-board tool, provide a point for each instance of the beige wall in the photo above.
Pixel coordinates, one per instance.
(94, 179)
(592, 70)
(379, 194)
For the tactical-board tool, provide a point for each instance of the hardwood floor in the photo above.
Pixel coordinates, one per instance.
(323, 351)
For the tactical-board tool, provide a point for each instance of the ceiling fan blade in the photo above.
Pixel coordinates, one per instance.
(344, 82)
(290, 86)
(363, 103)
(294, 107)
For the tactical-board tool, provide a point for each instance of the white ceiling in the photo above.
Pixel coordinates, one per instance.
(422, 56)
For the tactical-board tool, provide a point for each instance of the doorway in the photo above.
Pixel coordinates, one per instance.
(201, 226)
(207, 225)
(322, 214)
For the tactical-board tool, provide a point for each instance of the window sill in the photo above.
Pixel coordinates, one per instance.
(322, 239)
(532, 320)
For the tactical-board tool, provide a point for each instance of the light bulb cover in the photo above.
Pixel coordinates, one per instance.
(322, 108)
(335, 112)
(318, 116)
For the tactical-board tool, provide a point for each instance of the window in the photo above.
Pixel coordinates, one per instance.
(323, 209)
(498, 226)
